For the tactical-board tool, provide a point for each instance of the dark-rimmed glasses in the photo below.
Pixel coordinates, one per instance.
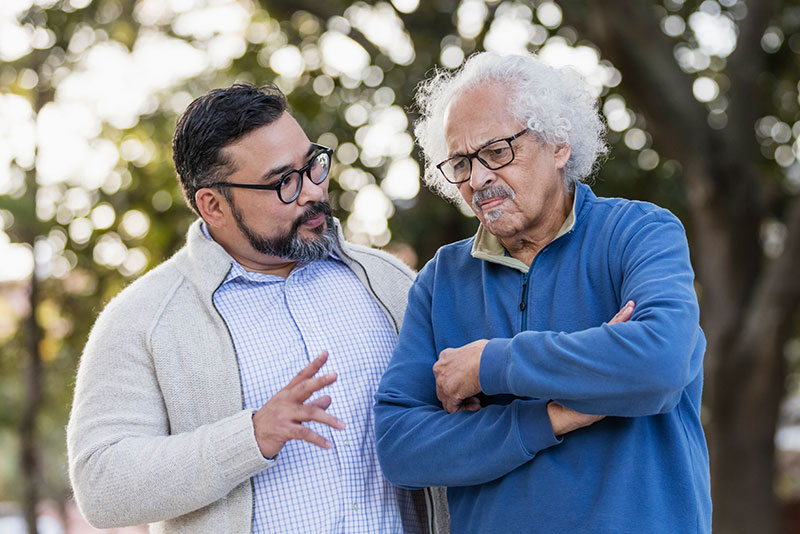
(493, 156)
(290, 183)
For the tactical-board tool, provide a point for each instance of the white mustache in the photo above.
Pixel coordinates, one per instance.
(490, 192)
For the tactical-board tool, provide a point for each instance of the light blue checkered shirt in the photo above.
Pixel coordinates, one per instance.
(278, 326)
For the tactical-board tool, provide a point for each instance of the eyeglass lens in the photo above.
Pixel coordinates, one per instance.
(492, 157)
(317, 170)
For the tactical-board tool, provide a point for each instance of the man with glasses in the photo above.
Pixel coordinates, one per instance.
(505, 366)
(230, 389)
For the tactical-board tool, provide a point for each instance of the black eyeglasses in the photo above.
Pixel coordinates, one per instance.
(493, 156)
(291, 182)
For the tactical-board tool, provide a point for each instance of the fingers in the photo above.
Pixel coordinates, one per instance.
(281, 418)
(303, 390)
(310, 369)
(624, 314)
(472, 404)
(311, 412)
(564, 420)
(306, 434)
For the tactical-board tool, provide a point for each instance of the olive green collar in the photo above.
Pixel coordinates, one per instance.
(488, 247)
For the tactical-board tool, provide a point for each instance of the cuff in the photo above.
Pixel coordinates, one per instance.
(493, 374)
(236, 450)
(533, 423)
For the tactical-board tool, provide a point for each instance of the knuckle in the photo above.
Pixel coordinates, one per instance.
(306, 433)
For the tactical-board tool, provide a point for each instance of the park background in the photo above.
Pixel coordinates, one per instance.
(701, 103)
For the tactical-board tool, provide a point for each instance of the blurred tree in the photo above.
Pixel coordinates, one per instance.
(706, 128)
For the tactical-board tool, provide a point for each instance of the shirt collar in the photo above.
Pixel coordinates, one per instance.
(488, 247)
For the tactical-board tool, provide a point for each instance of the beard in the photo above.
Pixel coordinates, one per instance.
(493, 191)
(290, 245)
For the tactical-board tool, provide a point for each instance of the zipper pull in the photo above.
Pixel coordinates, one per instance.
(522, 302)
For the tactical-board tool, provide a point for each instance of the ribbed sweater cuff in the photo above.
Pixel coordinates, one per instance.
(534, 426)
(494, 367)
(236, 450)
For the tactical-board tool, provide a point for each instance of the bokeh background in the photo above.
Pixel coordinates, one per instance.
(701, 102)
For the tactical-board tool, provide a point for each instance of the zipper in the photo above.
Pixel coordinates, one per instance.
(241, 390)
(523, 304)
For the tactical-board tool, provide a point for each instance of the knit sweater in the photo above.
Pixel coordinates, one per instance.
(644, 467)
(158, 433)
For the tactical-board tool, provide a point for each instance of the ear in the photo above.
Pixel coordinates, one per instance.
(212, 206)
(561, 155)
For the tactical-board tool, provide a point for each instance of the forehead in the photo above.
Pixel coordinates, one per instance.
(280, 143)
(477, 115)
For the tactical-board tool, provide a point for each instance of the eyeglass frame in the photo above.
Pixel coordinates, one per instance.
(321, 149)
(474, 155)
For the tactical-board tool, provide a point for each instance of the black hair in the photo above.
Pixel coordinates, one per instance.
(214, 121)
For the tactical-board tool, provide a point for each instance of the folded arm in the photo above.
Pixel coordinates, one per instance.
(637, 368)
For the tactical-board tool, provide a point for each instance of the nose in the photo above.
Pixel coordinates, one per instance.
(481, 176)
(311, 192)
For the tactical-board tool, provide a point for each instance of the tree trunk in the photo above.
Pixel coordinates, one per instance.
(29, 454)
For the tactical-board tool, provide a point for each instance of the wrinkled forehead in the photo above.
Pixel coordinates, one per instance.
(479, 112)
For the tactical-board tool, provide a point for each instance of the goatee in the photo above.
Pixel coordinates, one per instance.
(290, 245)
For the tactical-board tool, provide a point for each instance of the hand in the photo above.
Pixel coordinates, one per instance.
(624, 314)
(564, 420)
(457, 376)
(280, 418)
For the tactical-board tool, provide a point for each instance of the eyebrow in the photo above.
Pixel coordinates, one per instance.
(283, 169)
(481, 147)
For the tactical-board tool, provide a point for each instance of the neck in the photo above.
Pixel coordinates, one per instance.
(525, 245)
(283, 268)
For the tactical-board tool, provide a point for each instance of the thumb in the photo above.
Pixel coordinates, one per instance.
(322, 402)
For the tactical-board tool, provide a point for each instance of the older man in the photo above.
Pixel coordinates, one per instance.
(504, 351)
(197, 404)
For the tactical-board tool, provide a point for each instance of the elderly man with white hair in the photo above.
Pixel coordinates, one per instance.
(507, 385)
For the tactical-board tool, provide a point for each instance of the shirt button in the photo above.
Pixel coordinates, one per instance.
(355, 506)
(347, 443)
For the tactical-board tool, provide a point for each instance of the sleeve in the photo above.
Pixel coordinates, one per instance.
(636, 368)
(125, 465)
(420, 444)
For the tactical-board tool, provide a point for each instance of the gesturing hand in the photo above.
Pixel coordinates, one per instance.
(280, 418)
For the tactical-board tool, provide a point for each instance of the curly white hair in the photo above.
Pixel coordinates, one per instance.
(554, 103)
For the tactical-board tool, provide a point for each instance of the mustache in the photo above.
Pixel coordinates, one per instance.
(315, 209)
(491, 192)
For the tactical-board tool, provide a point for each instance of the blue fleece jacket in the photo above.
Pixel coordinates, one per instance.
(644, 468)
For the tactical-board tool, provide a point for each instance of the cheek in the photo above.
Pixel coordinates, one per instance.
(466, 192)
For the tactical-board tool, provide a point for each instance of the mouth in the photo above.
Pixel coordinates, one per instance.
(315, 221)
(314, 218)
(491, 203)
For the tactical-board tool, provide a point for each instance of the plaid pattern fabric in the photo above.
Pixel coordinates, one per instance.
(278, 326)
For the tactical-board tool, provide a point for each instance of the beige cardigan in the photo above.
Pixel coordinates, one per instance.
(158, 433)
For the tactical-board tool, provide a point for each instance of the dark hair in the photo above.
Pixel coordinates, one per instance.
(214, 121)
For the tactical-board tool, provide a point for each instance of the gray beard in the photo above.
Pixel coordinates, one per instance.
(493, 191)
(290, 245)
